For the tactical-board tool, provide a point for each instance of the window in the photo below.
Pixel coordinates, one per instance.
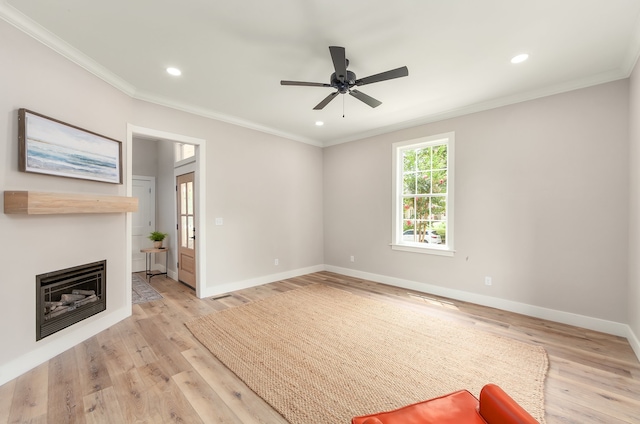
(184, 151)
(423, 195)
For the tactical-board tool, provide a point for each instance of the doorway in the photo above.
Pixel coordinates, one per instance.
(186, 229)
(199, 194)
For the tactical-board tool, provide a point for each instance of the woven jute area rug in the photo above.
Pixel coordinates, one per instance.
(323, 355)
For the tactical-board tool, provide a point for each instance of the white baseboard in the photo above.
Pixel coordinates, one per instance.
(48, 349)
(596, 324)
(583, 321)
(44, 352)
(258, 281)
(172, 274)
(633, 341)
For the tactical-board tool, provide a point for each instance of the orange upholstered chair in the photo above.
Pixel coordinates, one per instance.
(494, 407)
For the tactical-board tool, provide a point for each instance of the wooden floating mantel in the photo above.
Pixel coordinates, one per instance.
(39, 203)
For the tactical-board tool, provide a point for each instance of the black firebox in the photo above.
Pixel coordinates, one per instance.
(68, 296)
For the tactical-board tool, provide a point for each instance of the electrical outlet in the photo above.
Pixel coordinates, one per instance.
(353, 258)
(275, 262)
(487, 281)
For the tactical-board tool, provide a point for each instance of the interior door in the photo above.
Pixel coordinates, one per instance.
(143, 221)
(186, 229)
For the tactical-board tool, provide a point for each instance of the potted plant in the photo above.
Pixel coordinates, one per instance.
(157, 237)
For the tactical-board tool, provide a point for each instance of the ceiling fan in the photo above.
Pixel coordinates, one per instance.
(344, 81)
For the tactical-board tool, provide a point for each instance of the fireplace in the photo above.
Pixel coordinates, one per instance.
(68, 296)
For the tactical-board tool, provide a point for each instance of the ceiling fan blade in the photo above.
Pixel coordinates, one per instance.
(339, 62)
(305, 84)
(383, 76)
(326, 101)
(365, 98)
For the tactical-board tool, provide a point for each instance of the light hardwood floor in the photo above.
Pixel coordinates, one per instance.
(149, 368)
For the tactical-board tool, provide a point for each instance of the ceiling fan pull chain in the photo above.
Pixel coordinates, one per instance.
(343, 106)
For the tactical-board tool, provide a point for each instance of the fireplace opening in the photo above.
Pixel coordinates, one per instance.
(68, 296)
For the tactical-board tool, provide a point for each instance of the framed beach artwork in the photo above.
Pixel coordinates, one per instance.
(49, 146)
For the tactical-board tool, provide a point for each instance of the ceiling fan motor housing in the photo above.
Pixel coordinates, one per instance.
(343, 87)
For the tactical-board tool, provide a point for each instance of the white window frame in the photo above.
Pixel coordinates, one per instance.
(397, 242)
(179, 153)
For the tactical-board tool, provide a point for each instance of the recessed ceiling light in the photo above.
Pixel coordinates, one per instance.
(174, 71)
(520, 58)
(319, 123)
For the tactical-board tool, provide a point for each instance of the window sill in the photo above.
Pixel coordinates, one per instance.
(183, 162)
(431, 250)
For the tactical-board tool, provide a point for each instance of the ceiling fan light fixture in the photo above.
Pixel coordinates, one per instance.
(520, 58)
(174, 71)
(319, 123)
(344, 81)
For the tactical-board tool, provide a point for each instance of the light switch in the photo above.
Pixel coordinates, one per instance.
(219, 221)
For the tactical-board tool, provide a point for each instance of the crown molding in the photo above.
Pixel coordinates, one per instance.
(41, 34)
(633, 52)
(44, 36)
(206, 113)
(590, 81)
(33, 29)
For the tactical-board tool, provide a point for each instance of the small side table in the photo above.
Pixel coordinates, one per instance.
(148, 253)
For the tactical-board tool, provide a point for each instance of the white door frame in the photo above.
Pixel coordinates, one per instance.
(200, 176)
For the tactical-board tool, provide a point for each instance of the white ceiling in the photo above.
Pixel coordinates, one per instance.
(233, 54)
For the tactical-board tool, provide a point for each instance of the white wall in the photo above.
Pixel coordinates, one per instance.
(541, 205)
(634, 211)
(269, 191)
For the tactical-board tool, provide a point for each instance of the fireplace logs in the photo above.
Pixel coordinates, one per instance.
(69, 302)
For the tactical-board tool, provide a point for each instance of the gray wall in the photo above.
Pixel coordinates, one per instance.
(542, 201)
(166, 201)
(541, 204)
(35, 77)
(155, 158)
(634, 214)
(269, 191)
(145, 157)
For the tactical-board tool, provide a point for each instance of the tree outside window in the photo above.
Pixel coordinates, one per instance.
(423, 192)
